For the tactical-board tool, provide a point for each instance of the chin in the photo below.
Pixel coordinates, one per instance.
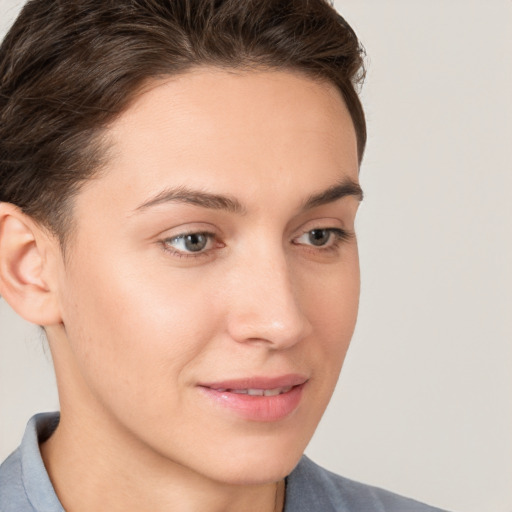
(261, 462)
(264, 471)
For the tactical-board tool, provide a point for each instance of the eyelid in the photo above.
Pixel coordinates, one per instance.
(165, 242)
(328, 222)
(337, 236)
(340, 235)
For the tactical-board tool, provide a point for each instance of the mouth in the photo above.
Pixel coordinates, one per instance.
(256, 392)
(258, 399)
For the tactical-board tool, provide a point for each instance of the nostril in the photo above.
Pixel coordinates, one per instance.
(276, 328)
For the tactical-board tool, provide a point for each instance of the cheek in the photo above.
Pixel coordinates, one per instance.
(331, 303)
(331, 293)
(133, 333)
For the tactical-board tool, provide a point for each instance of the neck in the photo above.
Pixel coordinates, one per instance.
(90, 471)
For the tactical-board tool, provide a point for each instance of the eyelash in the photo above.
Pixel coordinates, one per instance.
(340, 236)
(180, 254)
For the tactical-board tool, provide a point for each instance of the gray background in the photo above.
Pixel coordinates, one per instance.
(424, 403)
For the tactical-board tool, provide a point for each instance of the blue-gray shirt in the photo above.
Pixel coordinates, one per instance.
(26, 487)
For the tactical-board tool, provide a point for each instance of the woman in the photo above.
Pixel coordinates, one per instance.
(179, 184)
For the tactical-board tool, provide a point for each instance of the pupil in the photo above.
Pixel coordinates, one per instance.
(319, 236)
(195, 242)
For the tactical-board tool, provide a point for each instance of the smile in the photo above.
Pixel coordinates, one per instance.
(257, 399)
(257, 392)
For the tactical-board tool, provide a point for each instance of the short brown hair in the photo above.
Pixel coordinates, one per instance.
(68, 68)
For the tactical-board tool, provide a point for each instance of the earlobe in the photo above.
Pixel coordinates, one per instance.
(25, 279)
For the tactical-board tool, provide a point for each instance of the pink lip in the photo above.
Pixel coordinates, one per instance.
(281, 381)
(257, 408)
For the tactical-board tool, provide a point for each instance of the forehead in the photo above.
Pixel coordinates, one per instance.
(240, 132)
(214, 93)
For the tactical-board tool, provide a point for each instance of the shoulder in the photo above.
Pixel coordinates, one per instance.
(311, 488)
(12, 493)
(24, 482)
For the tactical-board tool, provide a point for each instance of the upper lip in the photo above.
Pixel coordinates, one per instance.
(280, 381)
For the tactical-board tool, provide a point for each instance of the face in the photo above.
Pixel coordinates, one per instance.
(210, 290)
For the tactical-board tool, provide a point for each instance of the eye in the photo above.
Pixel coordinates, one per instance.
(319, 237)
(189, 244)
(323, 237)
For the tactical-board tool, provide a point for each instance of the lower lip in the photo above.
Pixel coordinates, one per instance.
(258, 408)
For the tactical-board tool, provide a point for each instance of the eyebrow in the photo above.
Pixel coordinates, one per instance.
(195, 197)
(344, 188)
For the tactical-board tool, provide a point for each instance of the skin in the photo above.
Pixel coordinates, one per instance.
(134, 324)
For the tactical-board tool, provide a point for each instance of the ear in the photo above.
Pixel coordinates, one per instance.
(28, 267)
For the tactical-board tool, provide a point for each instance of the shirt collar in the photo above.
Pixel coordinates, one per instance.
(36, 481)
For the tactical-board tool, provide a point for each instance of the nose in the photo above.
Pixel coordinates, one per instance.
(265, 302)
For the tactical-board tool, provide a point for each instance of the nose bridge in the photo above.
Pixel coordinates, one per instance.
(265, 305)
